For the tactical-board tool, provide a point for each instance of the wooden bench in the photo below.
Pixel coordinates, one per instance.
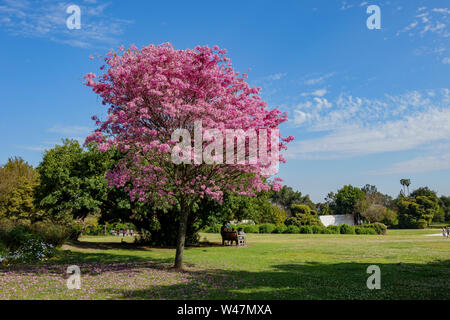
(231, 236)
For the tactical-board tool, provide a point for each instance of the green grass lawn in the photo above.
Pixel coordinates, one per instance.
(272, 266)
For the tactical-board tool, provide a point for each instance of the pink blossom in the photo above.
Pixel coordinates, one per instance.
(154, 90)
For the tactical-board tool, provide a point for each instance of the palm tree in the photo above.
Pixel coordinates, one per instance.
(405, 182)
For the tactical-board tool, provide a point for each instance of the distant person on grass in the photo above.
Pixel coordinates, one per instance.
(444, 232)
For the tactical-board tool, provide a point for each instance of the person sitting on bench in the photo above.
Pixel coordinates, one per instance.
(224, 228)
(228, 234)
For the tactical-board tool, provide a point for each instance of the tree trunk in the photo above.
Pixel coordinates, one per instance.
(181, 235)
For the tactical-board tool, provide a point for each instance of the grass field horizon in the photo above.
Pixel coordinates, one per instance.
(272, 266)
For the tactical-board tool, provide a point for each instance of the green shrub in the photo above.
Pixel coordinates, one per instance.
(346, 229)
(279, 229)
(32, 249)
(97, 230)
(421, 224)
(75, 230)
(303, 220)
(3, 252)
(360, 230)
(266, 228)
(13, 233)
(379, 228)
(364, 230)
(5, 226)
(16, 236)
(309, 220)
(251, 228)
(292, 229)
(334, 229)
(20, 242)
(306, 229)
(318, 229)
(214, 228)
(51, 233)
(292, 221)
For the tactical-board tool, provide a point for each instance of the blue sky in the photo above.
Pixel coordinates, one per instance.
(365, 106)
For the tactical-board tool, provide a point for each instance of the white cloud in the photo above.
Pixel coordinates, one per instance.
(320, 79)
(441, 10)
(355, 126)
(34, 148)
(70, 130)
(407, 134)
(301, 117)
(437, 162)
(446, 60)
(346, 6)
(433, 24)
(276, 76)
(316, 93)
(429, 21)
(48, 20)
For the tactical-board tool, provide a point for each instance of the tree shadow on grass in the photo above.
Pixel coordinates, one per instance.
(135, 246)
(90, 263)
(311, 280)
(306, 280)
(107, 245)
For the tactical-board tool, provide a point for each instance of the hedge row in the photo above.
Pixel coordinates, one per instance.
(376, 228)
(24, 242)
(13, 234)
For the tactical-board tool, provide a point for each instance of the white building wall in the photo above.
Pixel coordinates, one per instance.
(337, 219)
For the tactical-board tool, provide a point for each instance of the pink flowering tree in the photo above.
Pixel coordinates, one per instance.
(152, 92)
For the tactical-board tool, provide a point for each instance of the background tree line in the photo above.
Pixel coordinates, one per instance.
(69, 188)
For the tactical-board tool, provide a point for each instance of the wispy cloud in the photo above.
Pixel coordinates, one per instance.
(435, 162)
(270, 83)
(316, 93)
(70, 130)
(430, 22)
(67, 132)
(47, 19)
(319, 79)
(274, 77)
(34, 148)
(354, 126)
(346, 6)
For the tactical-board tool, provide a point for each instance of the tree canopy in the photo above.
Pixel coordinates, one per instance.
(17, 182)
(72, 181)
(156, 90)
(417, 210)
